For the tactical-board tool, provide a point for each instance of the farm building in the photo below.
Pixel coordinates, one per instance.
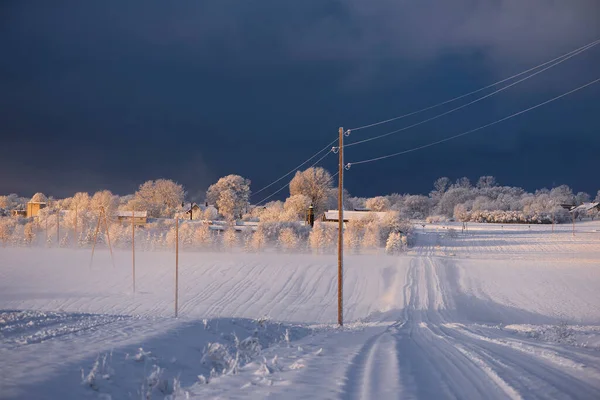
(195, 211)
(18, 213)
(139, 217)
(34, 207)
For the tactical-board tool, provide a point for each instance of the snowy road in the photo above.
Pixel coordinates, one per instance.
(426, 355)
(511, 317)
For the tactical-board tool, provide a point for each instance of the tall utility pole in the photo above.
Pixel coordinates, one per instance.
(176, 267)
(133, 249)
(341, 230)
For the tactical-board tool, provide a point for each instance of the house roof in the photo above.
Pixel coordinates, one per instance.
(139, 214)
(586, 207)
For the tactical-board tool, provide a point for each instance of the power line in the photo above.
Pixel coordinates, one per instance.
(473, 130)
(286, 185)
(295, 168)
(475, 91)
(474, 101)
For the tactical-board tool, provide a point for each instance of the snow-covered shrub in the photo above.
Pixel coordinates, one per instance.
(322, 238)
(396, 243)
(452, 233)
(353, 235)
(29, 233)
(7, 226)
(372, 236)
(288, 240)
(230, 238)
(259, 240)
(296, 207)
(203, 236)
(217, 357)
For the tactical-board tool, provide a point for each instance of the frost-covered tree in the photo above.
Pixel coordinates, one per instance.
(297, 206)
(315, 183)
(106, 200)
(271, 212)
(581, 198)
(161, 198)
(80, 201)
(415, 207)
(231, 194)
(378, 203)
(597, 196)
(463, 182)
(210, 214)
(562, 195)
(10, 202)
(485, 182)
(39, 198)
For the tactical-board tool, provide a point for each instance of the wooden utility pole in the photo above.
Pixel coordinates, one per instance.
(58, 227)
(341, 230)
(176, 266)
(100, 215)
(133, 248)
(573, 213)
(75, 229)
(108, 237)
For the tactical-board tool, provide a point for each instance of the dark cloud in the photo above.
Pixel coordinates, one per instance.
(113, 93)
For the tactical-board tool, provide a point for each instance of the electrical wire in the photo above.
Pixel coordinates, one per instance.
(286, 185)
(472, 130)
(471, 102)
(475, 91)
(295, 168)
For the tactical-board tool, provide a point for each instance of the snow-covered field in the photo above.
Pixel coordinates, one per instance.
(503, 311)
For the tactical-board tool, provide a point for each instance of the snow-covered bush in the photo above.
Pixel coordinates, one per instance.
(322, 238)
(372, 237)
(353, 236)
(288, 240)
(230, 238)
(7, 226)
(203, 237)
(396, 243)
(259, 240)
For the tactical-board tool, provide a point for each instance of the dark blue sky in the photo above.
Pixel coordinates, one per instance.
(110, 94)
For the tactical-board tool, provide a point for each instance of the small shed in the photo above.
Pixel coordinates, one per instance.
(34, 207)
(139, 217)
(18, 213)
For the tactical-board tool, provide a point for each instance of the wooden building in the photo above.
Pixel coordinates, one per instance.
(139, 217)
(18, 213)
(34, 207)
